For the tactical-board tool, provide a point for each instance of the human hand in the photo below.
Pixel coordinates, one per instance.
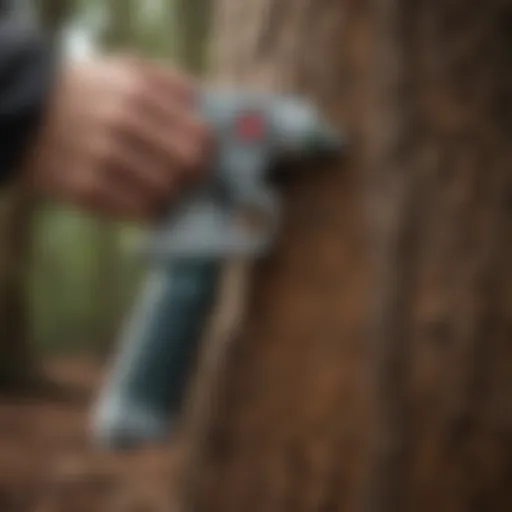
(120, 137)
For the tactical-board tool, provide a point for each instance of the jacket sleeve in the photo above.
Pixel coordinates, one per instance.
(26, 75)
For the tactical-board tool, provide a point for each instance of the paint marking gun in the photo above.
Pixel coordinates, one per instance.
(145, 389)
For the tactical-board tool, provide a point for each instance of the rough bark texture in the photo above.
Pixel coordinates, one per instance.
(372, 370)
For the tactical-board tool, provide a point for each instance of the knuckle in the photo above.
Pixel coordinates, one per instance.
(103, 152)
(135, 89)
(176, 78)
(116, 118)
(192, 152)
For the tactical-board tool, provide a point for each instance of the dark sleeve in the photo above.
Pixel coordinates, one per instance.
(26, 75)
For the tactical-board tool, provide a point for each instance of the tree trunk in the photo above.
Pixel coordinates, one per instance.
(372, 368)
(16, 363)
(118, 36)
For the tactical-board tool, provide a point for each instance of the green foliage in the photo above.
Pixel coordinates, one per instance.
(66, 302)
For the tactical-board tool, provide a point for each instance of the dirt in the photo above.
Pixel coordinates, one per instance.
(47, 463)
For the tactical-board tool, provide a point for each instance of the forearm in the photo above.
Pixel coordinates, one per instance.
(27, 71)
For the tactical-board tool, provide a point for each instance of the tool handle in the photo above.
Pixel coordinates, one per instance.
(146, 387)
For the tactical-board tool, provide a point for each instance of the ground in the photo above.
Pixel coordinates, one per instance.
(47, 464)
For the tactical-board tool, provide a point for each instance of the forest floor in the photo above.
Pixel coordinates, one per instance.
(47, 464)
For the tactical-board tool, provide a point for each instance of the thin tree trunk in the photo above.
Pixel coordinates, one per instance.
(372, 369)
(192, 21)
(16, 363)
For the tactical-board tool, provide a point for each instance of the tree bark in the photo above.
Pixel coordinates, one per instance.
(372, 368)
(16, 362)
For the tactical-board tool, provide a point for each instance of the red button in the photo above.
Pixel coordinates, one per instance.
(250, 127)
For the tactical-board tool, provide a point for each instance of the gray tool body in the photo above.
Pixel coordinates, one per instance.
(145, 389)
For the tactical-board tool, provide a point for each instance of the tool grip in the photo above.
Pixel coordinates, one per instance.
(147, 385)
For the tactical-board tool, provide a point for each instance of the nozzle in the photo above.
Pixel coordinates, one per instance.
(325, 139)
(301, 130)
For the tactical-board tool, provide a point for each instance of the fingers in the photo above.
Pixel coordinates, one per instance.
(143, 176)
(111, 197)
(167, 81)
(131, 166)
(162, 121)
(144, 183)
(122, 138)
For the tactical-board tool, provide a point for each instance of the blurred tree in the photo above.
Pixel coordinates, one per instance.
(372, 369)
(53, 13)
(17, 367)
(119, 30)
(191, 28)
(16, 362)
